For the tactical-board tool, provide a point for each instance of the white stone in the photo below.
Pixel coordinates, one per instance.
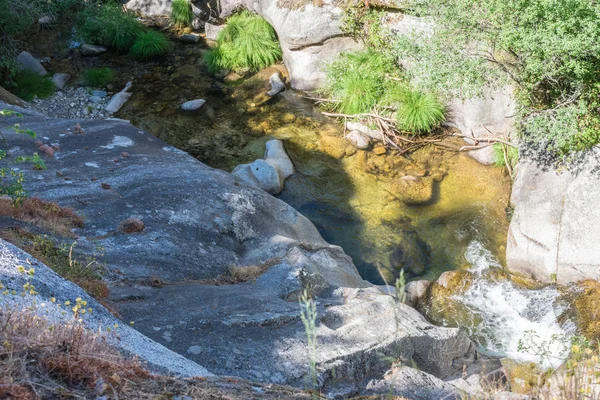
(358, 139)
(276, 156)
(193, 105)
(260, 174)
(60, 80)
(212, 31)
(277, 85)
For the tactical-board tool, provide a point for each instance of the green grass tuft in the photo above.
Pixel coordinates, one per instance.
(181, 13)
(357, 80)
(150, 44)
(99, 77)
(27, 85)
(247, 42)
(419, 112)
(108, 25)
(512, 154)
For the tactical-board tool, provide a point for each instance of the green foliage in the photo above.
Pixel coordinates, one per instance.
(365, 24)
(150, 44)
(502, 153)
(419, 112)
(357, 80)
(247, 42)
(18, 16)
(549, 50)
(11, 181)
(181, 12)
(108, 25)
(27, 85)
(98, 77)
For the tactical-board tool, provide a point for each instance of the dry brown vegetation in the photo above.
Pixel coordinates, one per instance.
(40, 360)
(241, 274)
(45, 215)
(131, 225)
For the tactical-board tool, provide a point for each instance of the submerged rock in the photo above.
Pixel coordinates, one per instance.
(412, 190)
(29, 63)
(193, 105)
(189, 38)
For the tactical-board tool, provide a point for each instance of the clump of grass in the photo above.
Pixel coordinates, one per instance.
(108, 25)
(29, 85)
(98, 77)
(247, 42)
(181, 13)
(150, 44)
(419, 112)
(502, 153)
(357, 80)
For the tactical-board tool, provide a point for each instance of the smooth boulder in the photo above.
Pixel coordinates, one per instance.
(553, 234)
(90, 50)
(60, 80)
(193, 105)
(29, 63)
(119, 99)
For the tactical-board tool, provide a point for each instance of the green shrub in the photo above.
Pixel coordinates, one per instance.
(108, 25)
(247, 42)
(181, 12)
(150, 44)
(98, 77)
(419, 112)
(357, 80)
(27, 85)
(512, 155)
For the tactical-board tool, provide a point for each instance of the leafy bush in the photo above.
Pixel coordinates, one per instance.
(357, 80)
(419, 112)
(27, 85)
(98, 77)
(512, 155)
(247, 42)
(150, 44)
(181, 12)
(549, 50)
(108, 25)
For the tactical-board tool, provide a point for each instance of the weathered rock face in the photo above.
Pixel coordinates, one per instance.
(230, 260)
(554, 231)
(309, 37)
(48, 284)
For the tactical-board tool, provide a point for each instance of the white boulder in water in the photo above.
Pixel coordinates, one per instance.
(358, 139)
(193, 105)
(268, 174)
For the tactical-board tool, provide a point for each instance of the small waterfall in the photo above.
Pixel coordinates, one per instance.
(511, 314)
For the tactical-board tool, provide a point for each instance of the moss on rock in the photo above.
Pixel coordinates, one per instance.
(441, 305)
(587, 309)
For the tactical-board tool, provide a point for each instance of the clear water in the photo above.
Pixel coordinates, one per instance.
(511, 314)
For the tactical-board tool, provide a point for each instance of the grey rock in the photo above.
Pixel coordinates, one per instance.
(200, 223)
(276, 156)
(554, 231)
(198, 24)
(358, 139)
(212, 31)
(48, 284)
(46, 21)
(268, 174)
(310, 37)
(28, 62)
(261, 175)
(100, 93)
(277, 84)
(119, 99)
(95, 99)
(60, 80)
(491, 115)
(416, 291)
(193, 105)
(89, 50)
(414, 384)
(189, 38)
(371, 133)
(149, 7)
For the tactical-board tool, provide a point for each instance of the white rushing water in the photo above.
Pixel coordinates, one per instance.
(511, 314)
